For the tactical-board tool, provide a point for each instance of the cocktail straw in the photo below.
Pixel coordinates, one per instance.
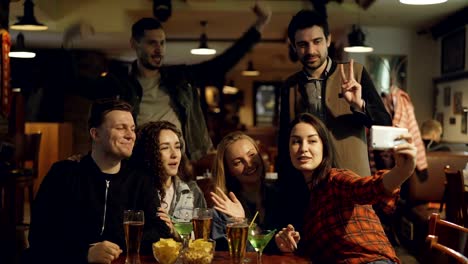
(253, 219)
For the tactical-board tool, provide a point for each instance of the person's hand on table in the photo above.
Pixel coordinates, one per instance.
(228, 205)
(287, 239)
(103, 252)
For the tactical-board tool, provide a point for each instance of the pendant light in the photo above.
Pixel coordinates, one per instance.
(28, 20)
(250, 71)
(203, 49)
(356, 41)
(230, 88)
(422, 2)
(19, 50)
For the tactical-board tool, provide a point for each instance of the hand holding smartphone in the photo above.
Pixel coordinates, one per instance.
(385, 137)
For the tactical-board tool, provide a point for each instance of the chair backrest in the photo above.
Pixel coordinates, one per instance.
(454, 197)
(432, 188)
(447, 238)
(433, 243)
(27, 151)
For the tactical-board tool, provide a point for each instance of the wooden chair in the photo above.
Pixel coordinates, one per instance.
(26, 170)
(447, 238)
(454, 197)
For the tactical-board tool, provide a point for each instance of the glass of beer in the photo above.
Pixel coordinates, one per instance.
(236, 233)
(133, 221)
(202, 221)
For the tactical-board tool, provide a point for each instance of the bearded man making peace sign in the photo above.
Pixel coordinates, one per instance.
(341, 95)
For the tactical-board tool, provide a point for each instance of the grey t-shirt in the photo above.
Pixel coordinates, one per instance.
(156, 103)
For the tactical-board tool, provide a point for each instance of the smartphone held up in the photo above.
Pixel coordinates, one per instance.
(386, 137)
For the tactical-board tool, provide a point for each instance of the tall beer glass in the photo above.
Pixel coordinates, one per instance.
(133, 222)
(202, 222)
(236, 232)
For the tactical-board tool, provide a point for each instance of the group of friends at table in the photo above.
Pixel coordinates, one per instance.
(147, 126)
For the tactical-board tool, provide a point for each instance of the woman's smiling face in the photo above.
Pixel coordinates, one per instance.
(305, 148)
(244, 162)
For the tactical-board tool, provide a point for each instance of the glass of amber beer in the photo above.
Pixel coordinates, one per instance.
(134, 220)
(202, 221)
(236, 232)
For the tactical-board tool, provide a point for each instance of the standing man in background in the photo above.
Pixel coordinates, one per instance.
(342, 96)
(168, 93)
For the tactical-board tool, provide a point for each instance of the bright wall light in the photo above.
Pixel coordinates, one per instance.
(422, 2)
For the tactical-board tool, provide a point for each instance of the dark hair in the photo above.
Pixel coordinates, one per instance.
(146, 23)
(328, 156)
(306, 19)
(146, 153)
(101, 107)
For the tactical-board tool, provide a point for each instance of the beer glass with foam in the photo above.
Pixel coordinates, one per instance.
(236, 233)
(133, 222)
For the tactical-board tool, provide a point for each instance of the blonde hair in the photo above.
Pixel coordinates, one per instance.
(222, 178)
(431, 126)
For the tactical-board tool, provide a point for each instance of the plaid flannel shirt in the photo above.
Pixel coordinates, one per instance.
(340, 225)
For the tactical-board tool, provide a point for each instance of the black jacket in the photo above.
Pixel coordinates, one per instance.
(181, 82)
(68, 212)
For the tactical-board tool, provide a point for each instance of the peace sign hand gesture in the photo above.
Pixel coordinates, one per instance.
(350, 88)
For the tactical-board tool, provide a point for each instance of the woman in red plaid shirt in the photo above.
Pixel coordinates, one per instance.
(339, 225)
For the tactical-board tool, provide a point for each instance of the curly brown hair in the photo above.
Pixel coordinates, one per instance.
(146, 153)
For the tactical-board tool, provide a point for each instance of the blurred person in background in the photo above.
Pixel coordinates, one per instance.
(431, 133)
(170, 93)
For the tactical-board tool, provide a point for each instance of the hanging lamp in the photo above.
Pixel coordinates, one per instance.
(19, 50)
(356, 41)
(203, 48)
(250, 71)
(230, 88)
(28, 20)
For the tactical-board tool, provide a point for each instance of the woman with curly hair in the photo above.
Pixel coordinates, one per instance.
(160, 150)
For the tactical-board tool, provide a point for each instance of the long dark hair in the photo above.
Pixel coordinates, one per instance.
(329, 156)
(146, 153)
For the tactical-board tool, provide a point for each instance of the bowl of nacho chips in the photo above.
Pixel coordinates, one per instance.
(199, 251)
(166, 251)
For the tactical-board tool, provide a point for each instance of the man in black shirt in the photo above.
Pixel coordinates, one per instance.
(77, 215)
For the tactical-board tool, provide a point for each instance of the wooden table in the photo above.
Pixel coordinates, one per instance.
(222, 257)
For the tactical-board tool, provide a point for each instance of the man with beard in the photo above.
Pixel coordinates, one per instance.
(341, 95)
(77, 216)
(168, 93)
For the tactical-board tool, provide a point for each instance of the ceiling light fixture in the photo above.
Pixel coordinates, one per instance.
(250, 71)
(28, 20)
(230, 88)
(203, 49)
(422, 2)
(356, 41)
(20, 51)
